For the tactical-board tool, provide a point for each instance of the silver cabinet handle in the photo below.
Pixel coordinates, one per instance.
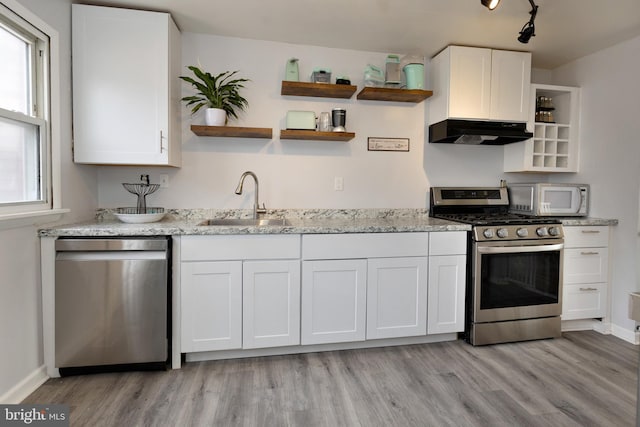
(590, 231)
(161, 146)
(589, 253)
(588, 289)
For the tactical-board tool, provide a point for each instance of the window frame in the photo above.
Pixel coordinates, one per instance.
(46, 98)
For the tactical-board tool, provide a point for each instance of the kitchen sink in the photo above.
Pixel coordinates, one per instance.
(246, 222)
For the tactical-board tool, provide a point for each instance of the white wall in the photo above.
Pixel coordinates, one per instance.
(610, 155)
(20, 306)
(300, 174)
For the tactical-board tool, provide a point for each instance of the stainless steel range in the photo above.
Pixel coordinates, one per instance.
(514, 267)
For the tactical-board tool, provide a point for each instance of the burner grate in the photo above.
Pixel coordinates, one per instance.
(498, 219)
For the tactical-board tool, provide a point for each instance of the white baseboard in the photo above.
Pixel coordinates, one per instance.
(25, 387)
(584, 325)
(273, 351)
(628, 335)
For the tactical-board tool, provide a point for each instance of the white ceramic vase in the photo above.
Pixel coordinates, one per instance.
(215, 117)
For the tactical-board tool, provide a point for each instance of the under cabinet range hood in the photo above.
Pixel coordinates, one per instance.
(478, 132)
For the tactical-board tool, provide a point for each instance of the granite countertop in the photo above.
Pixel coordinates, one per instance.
(301, 221)
(307, 221)
(588, 221)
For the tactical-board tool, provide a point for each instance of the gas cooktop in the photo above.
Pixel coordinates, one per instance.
(486, 207)
(496, 219)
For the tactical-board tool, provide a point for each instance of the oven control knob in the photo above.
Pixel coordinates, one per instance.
(522, 232)
(554, 231)
(488, 233)
(541, 231)
(502, 233)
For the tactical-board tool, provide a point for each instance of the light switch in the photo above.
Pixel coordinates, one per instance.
(164, 180)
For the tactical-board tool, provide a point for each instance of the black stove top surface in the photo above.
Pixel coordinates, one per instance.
(496, 219)
(479, 206)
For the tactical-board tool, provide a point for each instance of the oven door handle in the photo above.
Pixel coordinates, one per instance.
(516, 249)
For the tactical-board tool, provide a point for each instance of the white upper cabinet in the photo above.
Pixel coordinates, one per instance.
(126, 90)
(510, 83)
(480, 84)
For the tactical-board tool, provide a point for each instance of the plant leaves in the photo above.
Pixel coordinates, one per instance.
(220, 91)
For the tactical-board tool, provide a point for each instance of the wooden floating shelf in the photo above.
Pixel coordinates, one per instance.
(316, 135)
(320, 90)
(232, 131)
(396, 95)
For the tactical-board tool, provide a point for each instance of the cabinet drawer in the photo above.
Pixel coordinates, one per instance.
(584, 301)
(586, 237)
(237, 247)
(585, 265)
(448, 243)
(367, 245)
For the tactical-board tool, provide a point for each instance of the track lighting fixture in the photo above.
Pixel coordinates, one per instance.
(529, 29)
(490, 4)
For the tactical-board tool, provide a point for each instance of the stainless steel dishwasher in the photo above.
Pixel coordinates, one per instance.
(111, 303)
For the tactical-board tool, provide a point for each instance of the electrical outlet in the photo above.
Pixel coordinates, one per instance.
(338, 183)
(164, 180)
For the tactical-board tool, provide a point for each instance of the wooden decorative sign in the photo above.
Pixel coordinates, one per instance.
(388, 144)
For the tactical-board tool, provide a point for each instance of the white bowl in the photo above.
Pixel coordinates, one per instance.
(130, 216)
(139, 218)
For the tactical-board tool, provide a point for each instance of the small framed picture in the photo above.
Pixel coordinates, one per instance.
(388, 144)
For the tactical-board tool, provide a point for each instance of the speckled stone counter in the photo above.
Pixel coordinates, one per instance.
(588, 221)
(301, 221)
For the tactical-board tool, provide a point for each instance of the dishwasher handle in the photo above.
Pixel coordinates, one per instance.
(106, 245)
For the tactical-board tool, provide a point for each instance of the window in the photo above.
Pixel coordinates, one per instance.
(25, 122)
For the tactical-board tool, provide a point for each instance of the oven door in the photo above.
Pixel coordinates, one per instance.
(517, 280)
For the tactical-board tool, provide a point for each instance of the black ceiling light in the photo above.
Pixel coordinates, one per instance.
(529, 29)
(490, 4)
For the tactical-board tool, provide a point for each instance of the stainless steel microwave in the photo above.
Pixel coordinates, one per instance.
(547, 199)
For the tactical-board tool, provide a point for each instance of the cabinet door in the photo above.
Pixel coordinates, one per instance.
(271, 303)
(211, 306)
(586, 301)
(470, 83)
(445, 312)
(590, 236)
(121, 85)
(396, 297)
(585, 265)
(510, 82)
(333, 301)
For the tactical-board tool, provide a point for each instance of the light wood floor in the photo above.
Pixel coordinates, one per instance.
(582, 379)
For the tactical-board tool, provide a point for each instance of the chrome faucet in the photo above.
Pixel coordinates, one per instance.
(256, 206)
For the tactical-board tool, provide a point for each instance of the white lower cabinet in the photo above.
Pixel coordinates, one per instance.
(211, 294)
(586, 301)
(270, 303)
(447, 276)
(260, 291)
(446, 294)
(363, 286)
(333, 301)
(239, 292)
(396, 297)
(585, 272)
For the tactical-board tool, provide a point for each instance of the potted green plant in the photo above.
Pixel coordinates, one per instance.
(219, 94)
